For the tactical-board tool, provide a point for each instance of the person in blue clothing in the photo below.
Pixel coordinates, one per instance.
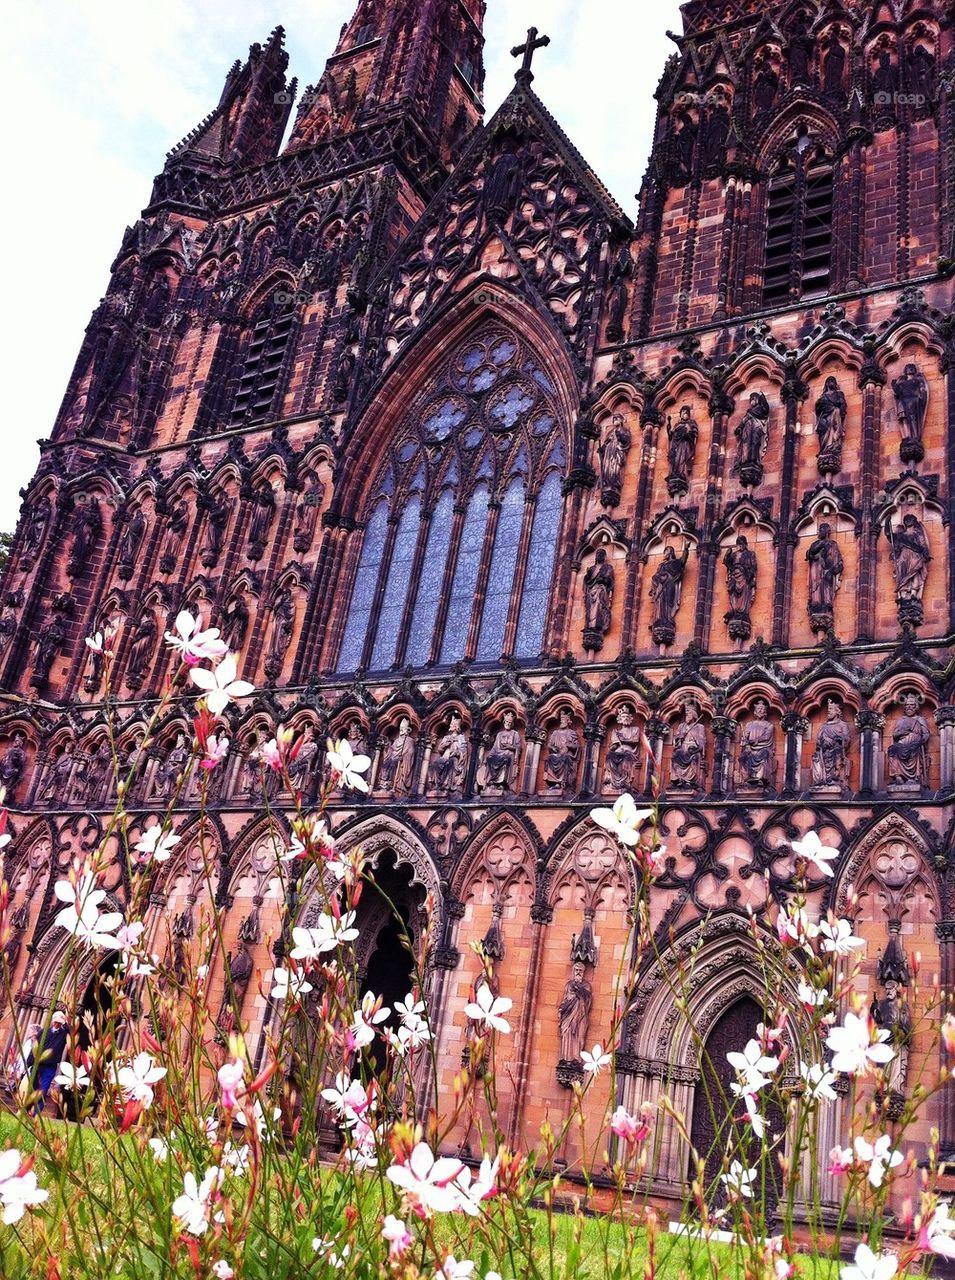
(45, 1057)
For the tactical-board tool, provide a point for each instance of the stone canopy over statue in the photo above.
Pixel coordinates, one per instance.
(752, 435)
(911, 556)
(826, 567)
(911, 398)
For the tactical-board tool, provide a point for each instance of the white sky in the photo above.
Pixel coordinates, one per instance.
(98, 90)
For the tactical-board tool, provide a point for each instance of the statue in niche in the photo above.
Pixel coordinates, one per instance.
(87, 526)
(563, 755)
(830, 760)
(908, 754)
(911, 557)
(170, 768)
(741, 569)
(12, 765)
(49, 642)
(885, 82)
(598, 601)
(397, 761)
(622, 762)
(447, 772)
(752, 434)
(252, 775)
(37, 522)
(56, 784)
(239, 970)
(573, 1014)
(757, 752)
(171, 557)
(130, 542)
(617, 309)
(306, 515)
(715, 135)
(8, 618)
(688, 758)
(613, 458)
(280, 635)
(681, 451)
(498, 772)
(831, 410)
(801, 45)
(834, 66)
(263, 515)
(235, 623)
(765, 87)
(683, 145)
(666, 589)
(217, 506)
(891, 1013)
(141, 649)
(357, 740)
(301, 770)
(92, 775)
(826, 567)
(503, 186)
(921, 74)
(911, 398)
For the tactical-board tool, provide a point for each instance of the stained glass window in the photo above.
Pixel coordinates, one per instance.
(396, 586)
(465, 577)
(429, 583)
(540, 567)
(497, 598)
(363, 594)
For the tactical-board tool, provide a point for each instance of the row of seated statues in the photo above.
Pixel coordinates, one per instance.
(558, 761)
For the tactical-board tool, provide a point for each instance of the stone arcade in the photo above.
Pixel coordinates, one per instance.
(532, 504)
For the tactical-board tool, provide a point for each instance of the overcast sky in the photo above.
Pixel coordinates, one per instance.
(98, 90)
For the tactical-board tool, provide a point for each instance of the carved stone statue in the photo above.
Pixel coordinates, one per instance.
(397, 761)
(235, 623)
(885, 83)
(830, 760)
(757, 752)
(752, 434)
(683, 145)
(681, 451)
(141, 649)
(908, 754)
(447, 772)
(891, 1013)
(91, 779)
(801, 45)
(12, 764)
(617, 292)
(598, 600)
(263, 515)
(574, 1015)
(56, 784)
(613, 458)
(741, 568)
(688, 758)
(504, 182)
(37, 522)
(498, 772)
(715, 135)
(622, 762)
(563, 755)
(306, 515)
(921, 75)
(911, 398)
(911, 556)
(666, 588)
(217, 505)
(765, 87)
(171, 558)
(8, 619)
(130, 541)
(50, 641)
(301, 770)
(831, 410)
(280, 634)
(170, 768)
(87, 526)
(826, 567)
(834, 66)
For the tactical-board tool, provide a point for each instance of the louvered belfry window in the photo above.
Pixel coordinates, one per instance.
(798, 260)
(262, 366)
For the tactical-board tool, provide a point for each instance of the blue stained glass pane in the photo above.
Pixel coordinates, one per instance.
(473, 438)
(465, 578)
(503, 351)
(540, 568)
(407, 451)
(498, 596)
(363, 594)
(448, 415)
(396, 588)
(484, 379)
(429, 583)
(512, 406)
(471, 359)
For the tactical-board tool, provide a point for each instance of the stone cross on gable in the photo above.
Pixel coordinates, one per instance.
(528, 49)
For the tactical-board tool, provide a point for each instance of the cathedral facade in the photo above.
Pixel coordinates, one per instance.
(534, 505)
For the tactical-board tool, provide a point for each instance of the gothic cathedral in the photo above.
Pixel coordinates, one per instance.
(534, 506)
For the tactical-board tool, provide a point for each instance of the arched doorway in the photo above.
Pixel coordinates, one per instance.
(713, 1105)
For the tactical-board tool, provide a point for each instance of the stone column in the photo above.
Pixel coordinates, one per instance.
(945, 933)
(724, 734)
(656, 731)
(945, 719)
(870, 725)
(532, 755)
(594, 735)
(796, 729)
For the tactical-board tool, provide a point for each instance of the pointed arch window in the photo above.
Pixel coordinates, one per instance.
(264, 358)
(488, 423)
(798, 258)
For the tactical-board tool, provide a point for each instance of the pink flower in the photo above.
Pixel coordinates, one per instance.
(231, 1075)
(841, 1160)
(271, 755)
(217, 748)
(632, 1129)
(128, 935)
(397, 1234)
(427, 1181)
(948, 1033)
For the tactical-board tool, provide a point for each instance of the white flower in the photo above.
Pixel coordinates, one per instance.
(348, 1098)
(192, 644)
(752, 1066)
(18, 1191)
(878, 1156)
(812, 997)
(397, 1235)
(259, 1118)
(794, 926)
(753, 1114)
(137, 1079)
(428, 1182)
(838, 938)
(346, 765)
(870, 1266)
(474, 1190)
(325, 936)
(160, 1148)
(221, 1270)
(367, 1019)
(739, 1179)
(410, 1011)
(624, 820)
(811, 849)
(220, 685)
(82, 917)
(818, 1080)
(451, 1269)
(289, 982)
(595, 1061)
(487, 1007)
(156, 844)
(858, 1045)
(938, 1231)
(71, 1077)
(236, 1158)
(192, 1207)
